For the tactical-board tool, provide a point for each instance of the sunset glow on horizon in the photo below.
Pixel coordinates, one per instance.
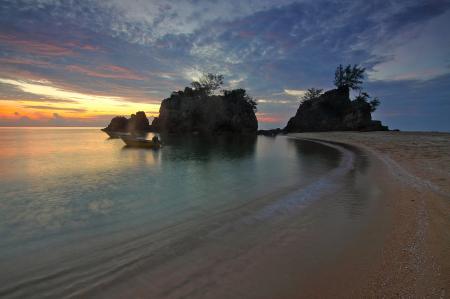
(58, 103)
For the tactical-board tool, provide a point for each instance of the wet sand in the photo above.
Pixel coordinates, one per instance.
(414, 257)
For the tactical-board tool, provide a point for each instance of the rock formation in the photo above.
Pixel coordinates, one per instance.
(190, 111)
(136, 123)
(117, 124)
(197, 110)
(333, 111)
(270, 133)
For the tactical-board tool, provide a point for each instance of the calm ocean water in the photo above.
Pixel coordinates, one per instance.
(80, 212)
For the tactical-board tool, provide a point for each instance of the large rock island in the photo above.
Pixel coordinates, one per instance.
(334, 110)
(197, 109)
(193, 111)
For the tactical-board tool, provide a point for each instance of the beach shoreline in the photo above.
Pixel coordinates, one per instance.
(374, 251)
(350, 223)
(414, 257)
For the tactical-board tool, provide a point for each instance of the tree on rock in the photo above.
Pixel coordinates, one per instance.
(240, 94)
(365, 97)
(311, 93)
(350, 76)
(208, 83)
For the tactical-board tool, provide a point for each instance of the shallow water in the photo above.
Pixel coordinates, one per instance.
(82, 214)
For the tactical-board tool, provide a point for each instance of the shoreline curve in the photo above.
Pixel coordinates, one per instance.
(416, 251)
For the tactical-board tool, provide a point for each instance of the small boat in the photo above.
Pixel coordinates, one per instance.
(113, 134)
(132, 141)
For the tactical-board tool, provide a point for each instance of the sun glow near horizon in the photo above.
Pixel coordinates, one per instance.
(54, 101)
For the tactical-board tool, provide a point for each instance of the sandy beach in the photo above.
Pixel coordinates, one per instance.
(414, 258)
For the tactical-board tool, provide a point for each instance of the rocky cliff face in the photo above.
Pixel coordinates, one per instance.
(333, 111)
(136, 123)
(184, 112)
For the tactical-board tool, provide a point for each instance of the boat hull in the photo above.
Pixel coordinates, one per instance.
(132, 142)
(112, 134)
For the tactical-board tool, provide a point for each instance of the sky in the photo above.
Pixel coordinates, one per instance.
(79, 63)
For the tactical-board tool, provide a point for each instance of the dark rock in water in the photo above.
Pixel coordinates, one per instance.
(136, 123)
(333, 111)
(155, 124)
(187, 112)
(271, 133)
(118, 124)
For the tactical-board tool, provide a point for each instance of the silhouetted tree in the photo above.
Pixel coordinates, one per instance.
(365, 97)
(350, 76)
(311, 93)
(197, 86)
(374, 103)
(208, 83)
(339, 76)
(240, 95)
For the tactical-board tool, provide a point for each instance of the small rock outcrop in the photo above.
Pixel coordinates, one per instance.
(189, 111)
(270, 133)
(136, 123)
(139, 123)
(333, 111)
(117, 124)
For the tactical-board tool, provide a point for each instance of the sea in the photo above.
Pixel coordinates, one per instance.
(84, 216)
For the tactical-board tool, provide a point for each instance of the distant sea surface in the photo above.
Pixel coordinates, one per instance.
(81, 214)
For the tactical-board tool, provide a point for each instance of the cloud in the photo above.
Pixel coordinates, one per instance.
(295, 92)
(54, 92)
(423, 57)
(234, 83)
(274, 49)
(275, 101)
(56, 119)
(54, 108)
(24, 61)
(82, 46)
(92, 104)
(146, 21)
(36, 47)
(268, 118)
(107, 71)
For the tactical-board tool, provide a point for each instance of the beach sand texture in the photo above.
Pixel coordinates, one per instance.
(415, 256)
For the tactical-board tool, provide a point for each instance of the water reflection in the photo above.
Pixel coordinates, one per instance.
(315, 152)
(358, 180)
(207, 147)
(140, 156)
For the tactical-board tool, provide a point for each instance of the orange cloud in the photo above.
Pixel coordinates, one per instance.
(266, 118)
(55, 108)
(86, 47)
(35, 47)
(69, 102)
(107, 71)
(24, 61)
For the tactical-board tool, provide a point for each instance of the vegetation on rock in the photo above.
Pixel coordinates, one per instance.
(350, 76)
(208, 83)
(310, 94)
(198, 109)
(334, 110)
(365, 97)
